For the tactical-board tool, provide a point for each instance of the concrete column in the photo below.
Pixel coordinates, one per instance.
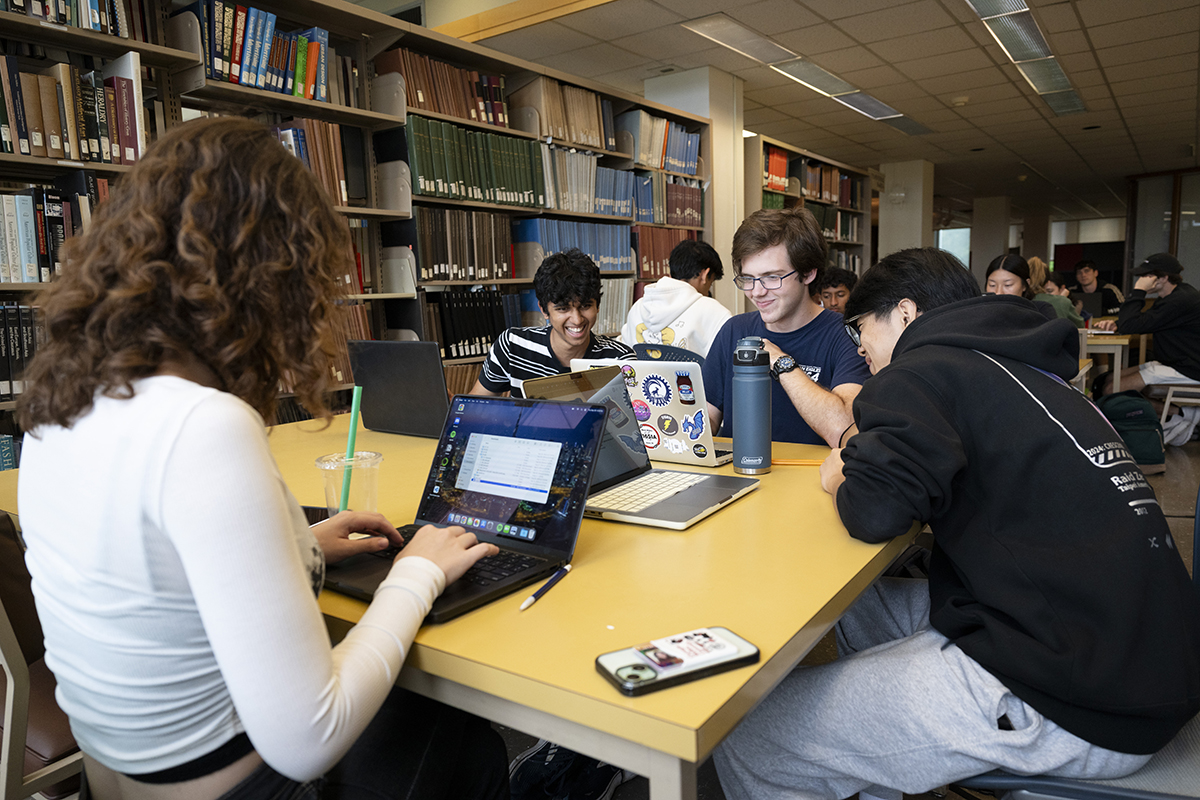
(989, 232)
(709, 92)
(1036, 241)
(905, 206)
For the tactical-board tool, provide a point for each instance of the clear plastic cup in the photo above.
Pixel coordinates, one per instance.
(364, 480)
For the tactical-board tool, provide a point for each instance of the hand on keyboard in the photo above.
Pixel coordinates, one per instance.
(334, 535)
(453, 549)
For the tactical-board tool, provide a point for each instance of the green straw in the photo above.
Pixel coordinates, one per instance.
(354, 405)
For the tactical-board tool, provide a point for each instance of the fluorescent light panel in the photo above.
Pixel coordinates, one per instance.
(907, 125)
(801, 70)
(1045, 75)
(1064, 103)
(1018, 34)
(992, 8)
(865, 104)
(723, 30)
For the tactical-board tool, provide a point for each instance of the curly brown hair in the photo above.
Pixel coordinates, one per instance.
(218, 244)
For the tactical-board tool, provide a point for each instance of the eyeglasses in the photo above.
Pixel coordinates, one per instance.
(852, 330)
(769, 282)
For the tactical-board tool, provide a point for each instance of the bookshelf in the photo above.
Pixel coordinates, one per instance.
(797, 177)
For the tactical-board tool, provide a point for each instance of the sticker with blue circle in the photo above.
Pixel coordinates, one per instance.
(656, 390)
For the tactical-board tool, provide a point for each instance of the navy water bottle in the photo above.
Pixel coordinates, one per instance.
(751, 407)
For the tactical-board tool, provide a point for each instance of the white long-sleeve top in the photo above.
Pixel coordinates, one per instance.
(175, 579)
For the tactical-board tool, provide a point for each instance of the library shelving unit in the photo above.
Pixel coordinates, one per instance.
(50, 42)
(839, 195)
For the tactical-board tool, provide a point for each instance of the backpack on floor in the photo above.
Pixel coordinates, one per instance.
(1135, 419)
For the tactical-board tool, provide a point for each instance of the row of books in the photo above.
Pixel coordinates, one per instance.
(668, 200)
(9, 455)
(614, 306)
(535, 238)
(460, 378)
(241, 45)
(124, 18)
(658, 143)
(319, 145)
(828, 184)
(844, 259)
(653, 247)
(60, 112)
(356, 324)
(775, 168)
(23, 329)
(471, 320)
(568, 113)
(460, 245)
(576, 182)
(434, 85)
(450, 161)
(837, 225)
(775, 200)
(35, 222)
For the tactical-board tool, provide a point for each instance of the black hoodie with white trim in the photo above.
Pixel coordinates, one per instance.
(1053, 566)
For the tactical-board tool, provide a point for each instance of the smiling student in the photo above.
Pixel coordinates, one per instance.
(567, 286)
(777, 255)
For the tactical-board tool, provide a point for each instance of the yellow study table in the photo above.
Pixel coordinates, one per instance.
(776, 567)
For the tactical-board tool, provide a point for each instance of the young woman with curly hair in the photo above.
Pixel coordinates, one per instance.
(174, 574)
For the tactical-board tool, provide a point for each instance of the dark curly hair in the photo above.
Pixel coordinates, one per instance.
(567, 277)
(218, 244)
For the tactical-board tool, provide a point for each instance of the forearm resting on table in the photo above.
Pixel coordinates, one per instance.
(827, 412)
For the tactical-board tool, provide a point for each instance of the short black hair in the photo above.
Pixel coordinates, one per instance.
(1014, 264)
(835, 277)
(1063, 279)
(1086, 263)
(927, 276)
(565, 278)
(690, 257)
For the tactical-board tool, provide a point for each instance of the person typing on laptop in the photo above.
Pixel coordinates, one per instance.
(174, 573)
(567, 286)
(777, 255)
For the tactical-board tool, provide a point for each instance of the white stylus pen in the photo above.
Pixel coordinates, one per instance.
(555, 578)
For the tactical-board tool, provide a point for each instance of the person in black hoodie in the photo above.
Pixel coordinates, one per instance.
(1174, 319)
(1058, 632)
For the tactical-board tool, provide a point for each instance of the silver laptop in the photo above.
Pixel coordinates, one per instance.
(669, 403)
(515, 473)
(625, 488)
(403, 386)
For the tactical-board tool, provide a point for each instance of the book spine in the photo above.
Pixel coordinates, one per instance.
(12, 237)
(56, 229)
(44, 267)
(27, 234)
(31, 99)
(69, 145)
(265, 41)
(301, 65)
(12, 327)
(11, 84)
(8, 453)
(249, 38)
(230, 15)
(239, 39)
(102, 123)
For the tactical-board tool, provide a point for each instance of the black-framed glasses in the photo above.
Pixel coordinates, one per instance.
(769, 282)
(852, 330)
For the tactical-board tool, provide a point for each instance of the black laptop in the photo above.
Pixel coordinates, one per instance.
(515, 472)
(403, 386)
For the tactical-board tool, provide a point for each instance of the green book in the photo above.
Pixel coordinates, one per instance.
(466, 175)
(450, 153)
(489, 159)
(539, 174)
(437, 149)
(301, 66)
(414, 155)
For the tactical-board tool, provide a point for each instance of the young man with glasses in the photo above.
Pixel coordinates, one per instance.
(817, 370)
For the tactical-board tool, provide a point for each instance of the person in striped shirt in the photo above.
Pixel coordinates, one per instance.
(568, 290)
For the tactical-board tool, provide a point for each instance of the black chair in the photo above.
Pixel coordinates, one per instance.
(665, 352)
(1173, 773)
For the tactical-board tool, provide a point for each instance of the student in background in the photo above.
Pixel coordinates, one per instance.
(568, 290)
(835, 288)
(777, 255)
(1008, 274)
(174, 573)
(1051, 637)
(1174, 319)
(1037, 275)
(677, 310)
(1089, 283)
(1058, 296)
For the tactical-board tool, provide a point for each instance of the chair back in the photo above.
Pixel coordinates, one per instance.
(666, 352)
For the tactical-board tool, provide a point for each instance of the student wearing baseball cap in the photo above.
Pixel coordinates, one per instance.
(1174, 319)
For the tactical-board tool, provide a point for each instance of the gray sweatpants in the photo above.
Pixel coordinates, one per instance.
(902, 709)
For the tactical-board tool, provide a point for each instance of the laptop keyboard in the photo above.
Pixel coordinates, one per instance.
(645, 491)
(485, 571)
(722, 453)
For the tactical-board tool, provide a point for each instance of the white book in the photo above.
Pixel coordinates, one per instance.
(13, 246)
(27, 236)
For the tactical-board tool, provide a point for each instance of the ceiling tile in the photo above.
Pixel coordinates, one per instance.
(790, 92)
(631, 79)
(757, 78)
(894, 21)
(974, 79)
(663, 43)
(1010, 106)
(774, 16)
(719, 57)
(774, 128)
(806, 108)
(692, 9)
(814, 40)
(1077, 62)
(1121, 53)
(620, 18)
(594, 60)
(945, 64)
(761, 115)
(1068, 42)
(1056, 18)
(1025, 116)
(1101, 12)
(847, 60)
(1090, 78)
(922, 104)
(835, 9)
(1152, 67)
(1146, 28)
(750, 105)
(925, 43)
(538, 41)
(874, 78)
(894, 93)
(983, 94)
(1143, 85)
(1182, 96)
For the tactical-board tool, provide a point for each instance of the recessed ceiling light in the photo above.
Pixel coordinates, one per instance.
(723, 30)
(1091, 127)
(977, 149)
(806, 72)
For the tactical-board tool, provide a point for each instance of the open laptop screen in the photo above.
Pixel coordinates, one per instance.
(514, 469)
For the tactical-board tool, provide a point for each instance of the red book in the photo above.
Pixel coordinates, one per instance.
(123, 119)
(239, 33)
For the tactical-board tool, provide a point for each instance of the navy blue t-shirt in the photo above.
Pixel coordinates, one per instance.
(821, 348)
